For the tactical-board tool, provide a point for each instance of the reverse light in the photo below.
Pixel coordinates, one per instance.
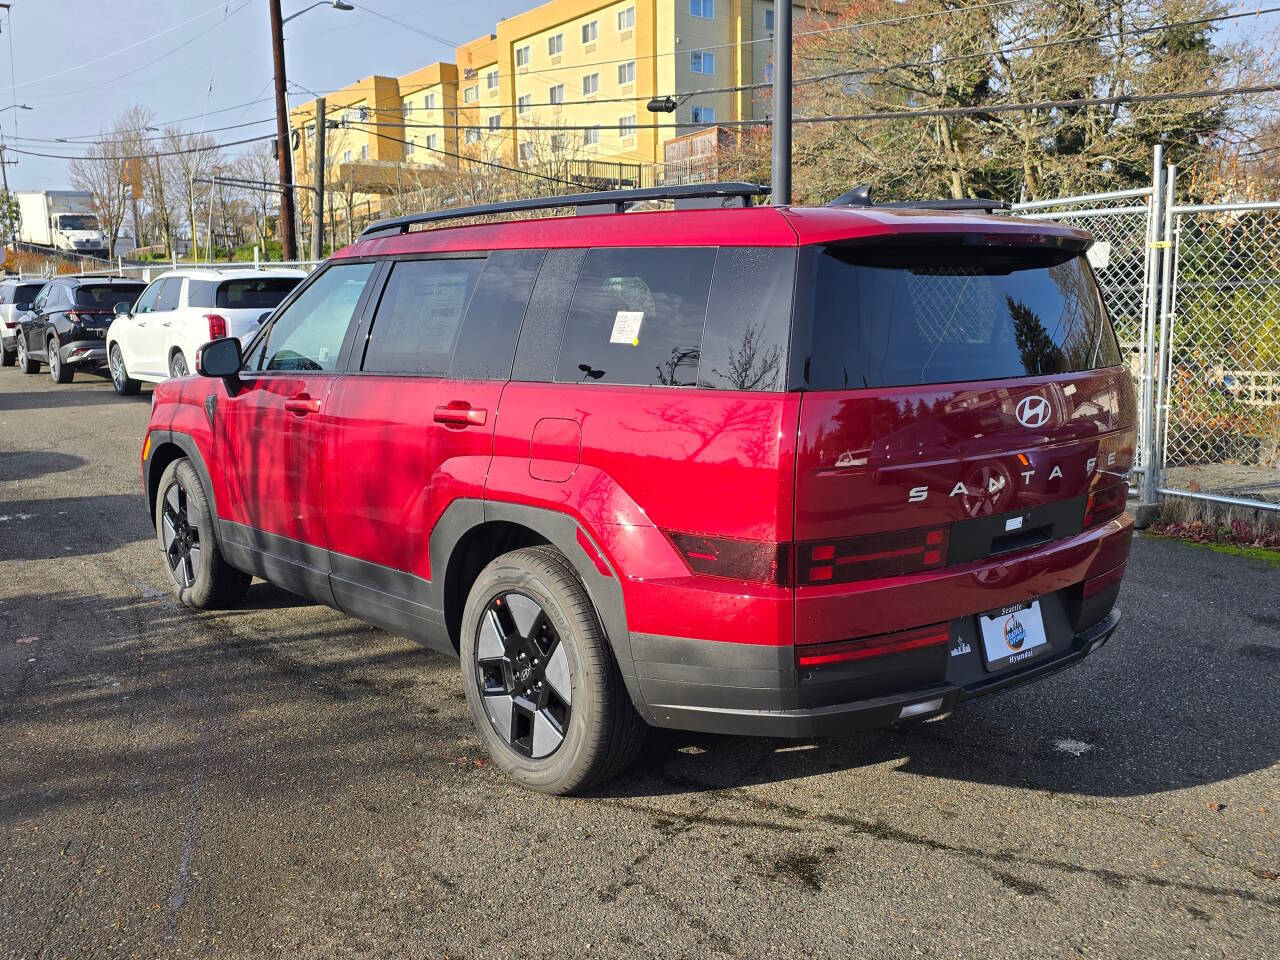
(217, 326)
(1106, 504)
(753, 561)
(882, 645)
(889, 554)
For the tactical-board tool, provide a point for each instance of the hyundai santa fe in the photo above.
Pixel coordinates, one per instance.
(725, 467)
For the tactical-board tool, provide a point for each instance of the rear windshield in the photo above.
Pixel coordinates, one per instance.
(901, 315)
(107, 296)
(26, 292)
(254, 294)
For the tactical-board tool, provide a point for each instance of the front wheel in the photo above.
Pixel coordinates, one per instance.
(25, 363)
(198, 573)
(544, 691)
(59, 372)
(125, 385)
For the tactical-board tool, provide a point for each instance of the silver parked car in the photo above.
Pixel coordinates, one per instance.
(15, 300)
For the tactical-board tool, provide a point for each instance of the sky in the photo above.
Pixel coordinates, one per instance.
(81, 63)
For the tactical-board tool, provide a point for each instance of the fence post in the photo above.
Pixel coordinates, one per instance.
(1155, 229)
(256, 264)
(1164, 365)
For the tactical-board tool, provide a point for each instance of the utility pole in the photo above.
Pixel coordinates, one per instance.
(8, 197)
(781, 179)
(317, 206)
(283, 145)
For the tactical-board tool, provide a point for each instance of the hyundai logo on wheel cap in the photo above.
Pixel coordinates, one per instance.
(1033, 411)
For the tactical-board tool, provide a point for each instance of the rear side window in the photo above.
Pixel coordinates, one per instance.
(105, 296)
(915, 314)
(744, 346)
(27, 293)
(265, 293)
(418, 317)
(637, 316)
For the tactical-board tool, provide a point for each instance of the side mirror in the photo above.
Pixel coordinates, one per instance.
(22, 307)
(220, 358)
(122, 308)
(266, 314)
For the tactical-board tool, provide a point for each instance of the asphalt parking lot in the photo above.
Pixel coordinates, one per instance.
(282, 780)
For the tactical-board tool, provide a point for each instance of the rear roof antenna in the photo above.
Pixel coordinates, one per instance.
(859, 196)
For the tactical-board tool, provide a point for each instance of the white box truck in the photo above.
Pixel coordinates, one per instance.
(61, 220)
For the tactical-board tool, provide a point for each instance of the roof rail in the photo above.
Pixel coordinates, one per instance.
(860, 196)
(618, 200)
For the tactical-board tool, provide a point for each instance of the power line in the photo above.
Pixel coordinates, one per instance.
(146, 156)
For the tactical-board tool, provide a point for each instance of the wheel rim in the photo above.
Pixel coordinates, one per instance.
(181, 535)
(178, 366)
(117, 367)
(22, 349)
(55, 364)
(522, 670)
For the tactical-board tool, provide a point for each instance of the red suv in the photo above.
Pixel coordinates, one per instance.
(740, 469)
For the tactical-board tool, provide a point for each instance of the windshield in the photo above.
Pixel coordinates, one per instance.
(898, 315)
(105, 296)
(77, 221)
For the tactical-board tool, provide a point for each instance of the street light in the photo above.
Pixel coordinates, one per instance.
(288, 246)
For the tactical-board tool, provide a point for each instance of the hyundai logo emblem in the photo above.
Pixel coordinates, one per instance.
(1033, 411)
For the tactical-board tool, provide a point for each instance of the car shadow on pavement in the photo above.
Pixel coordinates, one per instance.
(28, 464)
(68, 395)
(41, 530)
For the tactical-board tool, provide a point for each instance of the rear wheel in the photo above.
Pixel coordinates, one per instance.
(544, 691)
(59, 372)
(25, 363)
(125, 385)
(178, 365)
(184, 525)
(8, 356)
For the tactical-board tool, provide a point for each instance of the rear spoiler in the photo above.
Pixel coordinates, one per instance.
(860, 196)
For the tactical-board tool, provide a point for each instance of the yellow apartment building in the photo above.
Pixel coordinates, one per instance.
(567, 78)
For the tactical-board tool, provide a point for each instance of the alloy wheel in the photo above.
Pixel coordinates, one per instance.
(522, 670)
(178, 366)
(55, 362)
(22, 350)
(181, 535)
(117, 367)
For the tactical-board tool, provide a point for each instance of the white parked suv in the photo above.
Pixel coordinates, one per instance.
(157, 337)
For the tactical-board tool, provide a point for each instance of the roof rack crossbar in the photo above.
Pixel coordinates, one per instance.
(860, 196)
(608, 201)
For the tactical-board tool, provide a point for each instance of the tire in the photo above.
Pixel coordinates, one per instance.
(8, 357)
(178, 365)
(59, 372)
(125, 385)
(577, 727)
(25, 363)
(198, 573)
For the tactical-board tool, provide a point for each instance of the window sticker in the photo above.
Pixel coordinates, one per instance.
(626, 327)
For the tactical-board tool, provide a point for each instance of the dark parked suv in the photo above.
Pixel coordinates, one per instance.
(15, 300)
(68, 322)
(739, 469)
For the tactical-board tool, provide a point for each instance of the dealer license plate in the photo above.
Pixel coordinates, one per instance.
(1013, 635)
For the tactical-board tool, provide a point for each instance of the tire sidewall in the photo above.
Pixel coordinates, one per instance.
(182, 472)
(571, 761)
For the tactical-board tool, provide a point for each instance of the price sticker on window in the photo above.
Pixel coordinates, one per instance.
(626, 327)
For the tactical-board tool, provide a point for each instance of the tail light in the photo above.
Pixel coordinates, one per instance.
(752, 561)
(1106, 504)
(75, 318)
(882, 645)
(217, 326)
(875, 555)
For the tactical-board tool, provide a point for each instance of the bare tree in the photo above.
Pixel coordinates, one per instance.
(100, 172)
(193, 157)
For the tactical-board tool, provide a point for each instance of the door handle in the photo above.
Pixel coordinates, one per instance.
(302, 405)
(462, 414)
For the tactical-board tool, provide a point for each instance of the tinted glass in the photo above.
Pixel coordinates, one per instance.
(744, 346)
(26, 292)
(544, 317)
(265, 293)
(418, 316)
(147, 302)
(170, 291)
(309, 334)
(487, 343)
(104, 296)
(637, 317)
(200, 293)
(891, 316)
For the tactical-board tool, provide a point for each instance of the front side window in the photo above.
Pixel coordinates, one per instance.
(170, 292)
(637, 316)
(626, 73)
(309, 334)
(418, 317)
(147, 302)
(703, 9)
(555, 45)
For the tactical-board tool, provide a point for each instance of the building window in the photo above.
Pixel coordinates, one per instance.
(495, 121)
(491, 79)
(524, 102)
(701, 61)
(408, 150)
(429, 102)
(768, 19)
(591, 136)
(626, 73)
(627, 18)
(431, 141)
(702, 9)
(703, 115)
(556, 94)
(557, 143)
(471, 94)
(590, 84)
(526, 153)
(555, 45)
(346, 156)
(472, 135)
(364, 152)
(590, 31)
(627, 126)
(405, 109)
(523, 55)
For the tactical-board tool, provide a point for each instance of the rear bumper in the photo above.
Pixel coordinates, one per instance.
(83, 353)
(750, 690)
